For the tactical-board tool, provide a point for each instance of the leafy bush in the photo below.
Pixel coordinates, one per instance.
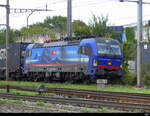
(106, 110)
(40, 103)
(87, 110)
(33, 41)
(147, 78)
(147, 67)
(129, 78)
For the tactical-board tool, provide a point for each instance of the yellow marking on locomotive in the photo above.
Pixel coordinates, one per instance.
(29, 61)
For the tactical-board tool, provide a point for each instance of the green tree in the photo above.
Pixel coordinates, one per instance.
(129, 47)
(52, 34)
(13, 35)
(98, 26)
(32, 30)
(80, 28)
(58, 23)
(2, 36)
(37, 29)
(12, 38)
(129, 50)
(77, 23)
(130, 34)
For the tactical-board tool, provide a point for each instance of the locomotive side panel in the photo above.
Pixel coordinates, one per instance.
(54, 59)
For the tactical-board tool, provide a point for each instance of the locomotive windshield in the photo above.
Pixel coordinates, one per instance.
(109, 50)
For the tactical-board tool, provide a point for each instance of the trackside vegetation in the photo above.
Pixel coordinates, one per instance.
(109, 87)
(48, 105)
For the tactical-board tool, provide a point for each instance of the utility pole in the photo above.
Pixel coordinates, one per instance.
(33, 10)
(23, 10)
(7, 37)
(139, 46)
(69, 19)
(28, 18)
(139, 64)
(7, 40)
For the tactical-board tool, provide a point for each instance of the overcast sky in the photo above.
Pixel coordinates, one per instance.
(118, 13)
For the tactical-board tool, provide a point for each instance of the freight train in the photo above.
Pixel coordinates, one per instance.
(84, 60)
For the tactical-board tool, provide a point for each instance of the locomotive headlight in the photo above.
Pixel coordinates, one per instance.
(95, 62)
(121, 66)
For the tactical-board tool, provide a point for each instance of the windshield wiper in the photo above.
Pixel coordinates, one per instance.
(104, 56)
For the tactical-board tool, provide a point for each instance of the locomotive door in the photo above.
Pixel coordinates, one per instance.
(82, 58)
(86, 52)
(63, 54)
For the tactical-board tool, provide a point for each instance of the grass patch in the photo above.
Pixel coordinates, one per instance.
(30, 93)
(137, 111)
(87, 110)
(40, 103)
(113, 88)
(106, 110)
(11, 101)
(49, 105)
(2, 90)
(23, 92)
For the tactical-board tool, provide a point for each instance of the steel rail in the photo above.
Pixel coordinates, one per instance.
(49, 90)
(98, 92)
(97, 95)
(119, 97)
(80, 102)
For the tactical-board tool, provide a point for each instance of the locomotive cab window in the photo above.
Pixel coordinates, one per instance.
(109, 50)
(28, 53)
(81, 49)
(86, 50)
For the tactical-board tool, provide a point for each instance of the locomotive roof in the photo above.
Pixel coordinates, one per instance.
(59, 43)
(64, 43)
(107, 40)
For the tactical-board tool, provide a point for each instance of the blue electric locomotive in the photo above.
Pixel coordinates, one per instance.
(90, 58)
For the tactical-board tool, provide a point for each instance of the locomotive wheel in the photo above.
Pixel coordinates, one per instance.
(62, 77)
(35, 77)
(46, 80)
(87, 80)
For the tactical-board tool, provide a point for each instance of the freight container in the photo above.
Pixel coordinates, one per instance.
(15, 57)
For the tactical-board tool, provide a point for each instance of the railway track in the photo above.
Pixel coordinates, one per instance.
(101, 95)
(138, 99)
(81, 102)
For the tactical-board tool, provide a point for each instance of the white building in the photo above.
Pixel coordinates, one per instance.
(146, 29)
(146, 38)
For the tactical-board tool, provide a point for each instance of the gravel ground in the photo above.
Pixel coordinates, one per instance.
(32, 107)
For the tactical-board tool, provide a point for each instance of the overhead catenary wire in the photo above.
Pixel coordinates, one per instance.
(88, 4)
(64, 8)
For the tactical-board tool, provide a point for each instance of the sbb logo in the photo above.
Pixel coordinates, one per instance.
(53, 52)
